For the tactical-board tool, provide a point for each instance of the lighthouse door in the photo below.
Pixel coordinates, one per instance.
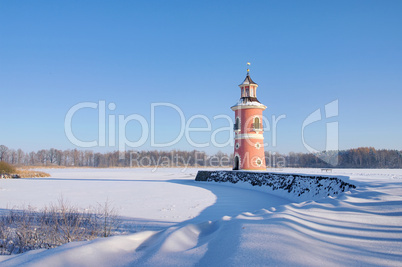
(236, 163)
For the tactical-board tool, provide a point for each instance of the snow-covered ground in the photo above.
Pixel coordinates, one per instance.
(174, 221)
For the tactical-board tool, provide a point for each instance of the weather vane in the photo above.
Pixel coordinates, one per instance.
(248, 64)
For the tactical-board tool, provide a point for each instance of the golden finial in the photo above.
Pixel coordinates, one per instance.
(248, 64)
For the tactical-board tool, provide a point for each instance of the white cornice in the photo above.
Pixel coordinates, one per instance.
(240, 106)
(249, 136)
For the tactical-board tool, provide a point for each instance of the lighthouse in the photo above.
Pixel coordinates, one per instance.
(248, 130)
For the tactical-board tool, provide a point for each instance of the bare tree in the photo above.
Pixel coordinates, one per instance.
(20, 156)
(88, 158)
(66, 158)
(76, 157)
(51, 155)
(32, 158)
(59, 157)
(3, 152)
(42, 156)
(12, 156)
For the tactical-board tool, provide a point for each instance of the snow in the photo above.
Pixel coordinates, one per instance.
(172, 220)
(241, 102)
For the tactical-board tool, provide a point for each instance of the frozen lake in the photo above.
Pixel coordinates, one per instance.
(183, 222)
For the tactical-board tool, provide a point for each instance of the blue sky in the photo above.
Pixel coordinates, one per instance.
(193, 54)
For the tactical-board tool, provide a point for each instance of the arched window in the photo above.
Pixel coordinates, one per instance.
(247, 92)
(257, 123)
(236, 164)
(237, 126)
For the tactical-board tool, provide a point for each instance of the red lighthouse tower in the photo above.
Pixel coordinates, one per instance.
(249, 140)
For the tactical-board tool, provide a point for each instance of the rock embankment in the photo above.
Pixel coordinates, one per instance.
(296, 185)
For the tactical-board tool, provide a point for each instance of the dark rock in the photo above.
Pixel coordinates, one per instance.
(293, 184)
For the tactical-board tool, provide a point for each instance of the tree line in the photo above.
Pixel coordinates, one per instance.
(131, 158)
(363, 157)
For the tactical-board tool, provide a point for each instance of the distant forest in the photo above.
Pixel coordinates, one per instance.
(363, 157)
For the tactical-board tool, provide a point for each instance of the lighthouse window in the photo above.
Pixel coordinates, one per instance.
(247, 92)
(257, 124)
(237, 124)
(259, 162)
